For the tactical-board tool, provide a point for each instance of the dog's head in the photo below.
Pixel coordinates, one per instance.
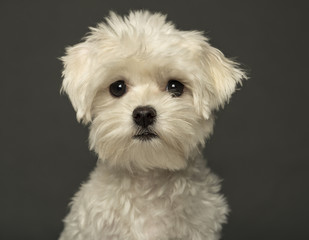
(147, 89)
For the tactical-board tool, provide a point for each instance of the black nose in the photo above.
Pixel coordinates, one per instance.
(144, 116)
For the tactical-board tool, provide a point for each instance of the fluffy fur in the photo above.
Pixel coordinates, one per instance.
(158, 189)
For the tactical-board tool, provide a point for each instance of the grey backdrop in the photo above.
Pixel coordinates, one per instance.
(260, 144)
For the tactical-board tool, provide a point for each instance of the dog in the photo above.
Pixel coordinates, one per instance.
(148, 93)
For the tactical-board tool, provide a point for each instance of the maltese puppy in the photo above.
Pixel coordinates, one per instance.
(148, 92)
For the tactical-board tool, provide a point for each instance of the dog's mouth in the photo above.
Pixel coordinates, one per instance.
(145, 135)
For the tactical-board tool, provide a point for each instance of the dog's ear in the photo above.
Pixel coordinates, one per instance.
(76, 79)
(219, 78)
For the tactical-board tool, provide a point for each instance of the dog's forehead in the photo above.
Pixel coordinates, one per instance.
(159, 70)
(157, 48)
(149, 60)
(143, 52)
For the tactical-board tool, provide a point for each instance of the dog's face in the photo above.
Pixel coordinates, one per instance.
(147, 90)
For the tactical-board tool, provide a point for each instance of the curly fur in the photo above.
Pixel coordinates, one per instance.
(158, 189)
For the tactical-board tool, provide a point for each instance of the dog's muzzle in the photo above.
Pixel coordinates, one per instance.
(144, 117)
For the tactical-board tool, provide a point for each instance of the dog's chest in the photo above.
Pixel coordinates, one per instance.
(147, 207)
(136, 207)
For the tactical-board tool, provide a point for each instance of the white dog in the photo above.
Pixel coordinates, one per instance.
(148, 92)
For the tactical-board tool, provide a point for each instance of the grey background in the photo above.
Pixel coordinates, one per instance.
(260, 144)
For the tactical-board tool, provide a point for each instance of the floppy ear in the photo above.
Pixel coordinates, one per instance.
(220, 76)
(76, 79)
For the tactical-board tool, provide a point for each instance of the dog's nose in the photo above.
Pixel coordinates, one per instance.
(144, 116)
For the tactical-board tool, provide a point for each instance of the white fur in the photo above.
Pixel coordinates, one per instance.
(157, 189)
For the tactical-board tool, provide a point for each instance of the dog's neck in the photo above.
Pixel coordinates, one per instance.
(194, 165)
(151, 184)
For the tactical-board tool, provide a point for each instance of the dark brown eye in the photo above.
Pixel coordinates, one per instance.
(118, 88)
(175, 88)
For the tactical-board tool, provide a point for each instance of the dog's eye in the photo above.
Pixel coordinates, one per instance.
(175, 88)
(118, 88)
